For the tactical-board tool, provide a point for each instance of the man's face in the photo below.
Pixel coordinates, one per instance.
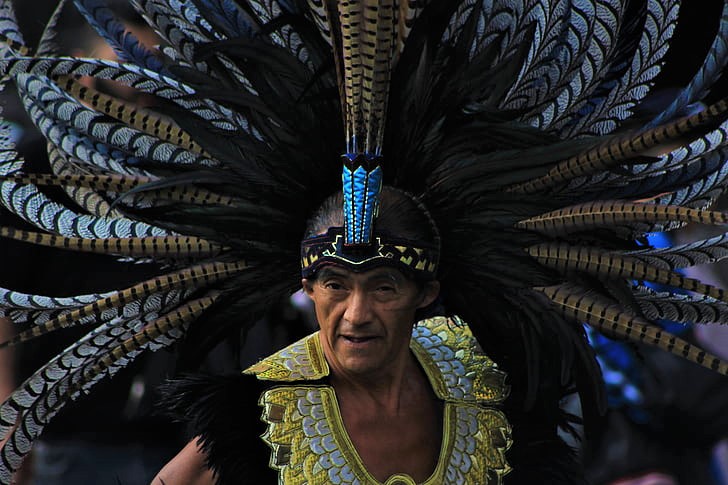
(366, 318)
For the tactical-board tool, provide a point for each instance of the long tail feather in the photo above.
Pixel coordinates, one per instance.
(606, 317)
(606, 213)
(190, 277)
(681, 308)
(622, 148)
(157, 247)
(140, 118)
(598, 262)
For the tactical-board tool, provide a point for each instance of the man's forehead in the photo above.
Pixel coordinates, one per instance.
(374, 273)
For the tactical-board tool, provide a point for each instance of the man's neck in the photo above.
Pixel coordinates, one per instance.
(386, 392)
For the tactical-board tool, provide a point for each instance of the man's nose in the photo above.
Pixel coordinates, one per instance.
(358, 308)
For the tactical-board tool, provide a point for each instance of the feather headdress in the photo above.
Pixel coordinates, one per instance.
(514, 122)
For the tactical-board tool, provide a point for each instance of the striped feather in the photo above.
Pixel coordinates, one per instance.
(41, 385)
(596, 62)
(369, 32)
(484, 12)
(61, 107)
(125, 44)
(181, 47)
(91, 201)
(11, 39)
(185, 40)
(502, 19)
(15, 300)
(608, 213)
(634, 85)
(285, 35)
(681, 308)
(192, 29)
(105, 183)
(47, 45)
(183, 26)
(187, 16)
(621, 148)
(122, 184)
(28, 203)
(78, 369)
(194, 276)
(712, 68)
(164, 247)
(111, 332)
(557, 52)
(706, 251)
(609, 318)
(231, 21)
(31, 205)
(319, 13)
(188, 194)
(142, 119)
(650, 185)
(69, 147)
(704, 193)
(508, 24)
(668, 172)
(39, 310)
(88, 155)
(135, 77)
(610, 265)
(701, 146)
(701, 193)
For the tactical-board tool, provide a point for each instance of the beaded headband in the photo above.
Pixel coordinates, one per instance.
(330, 248)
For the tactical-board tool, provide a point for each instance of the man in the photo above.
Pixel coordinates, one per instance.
(366, 396)
(510, 126)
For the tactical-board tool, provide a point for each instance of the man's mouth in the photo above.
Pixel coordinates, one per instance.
(358, 339)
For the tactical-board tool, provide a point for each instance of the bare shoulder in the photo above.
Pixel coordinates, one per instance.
(187, 468)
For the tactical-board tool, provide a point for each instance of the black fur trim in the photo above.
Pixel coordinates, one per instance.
(223, 411)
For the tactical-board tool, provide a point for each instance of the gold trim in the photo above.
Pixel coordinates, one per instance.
(437, 381)
(301, 361)
(446, 346)
(311, 446)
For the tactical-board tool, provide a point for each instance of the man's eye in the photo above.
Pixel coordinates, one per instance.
(387, 289)
(331, 285)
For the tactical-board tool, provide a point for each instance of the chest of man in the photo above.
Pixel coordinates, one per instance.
(407, 441)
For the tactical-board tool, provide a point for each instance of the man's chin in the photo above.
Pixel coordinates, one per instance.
(362, 366)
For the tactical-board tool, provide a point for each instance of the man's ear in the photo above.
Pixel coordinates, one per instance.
(430, 291)
(307, 286)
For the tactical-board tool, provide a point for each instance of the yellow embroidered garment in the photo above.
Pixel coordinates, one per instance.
(306, 432)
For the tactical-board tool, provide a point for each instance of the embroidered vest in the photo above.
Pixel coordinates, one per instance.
(310, 444)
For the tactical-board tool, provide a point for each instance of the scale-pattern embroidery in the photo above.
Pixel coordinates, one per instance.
(467, 372)
(300, 361)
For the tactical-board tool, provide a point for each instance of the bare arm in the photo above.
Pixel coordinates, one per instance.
(7, 360)
(187, 468)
